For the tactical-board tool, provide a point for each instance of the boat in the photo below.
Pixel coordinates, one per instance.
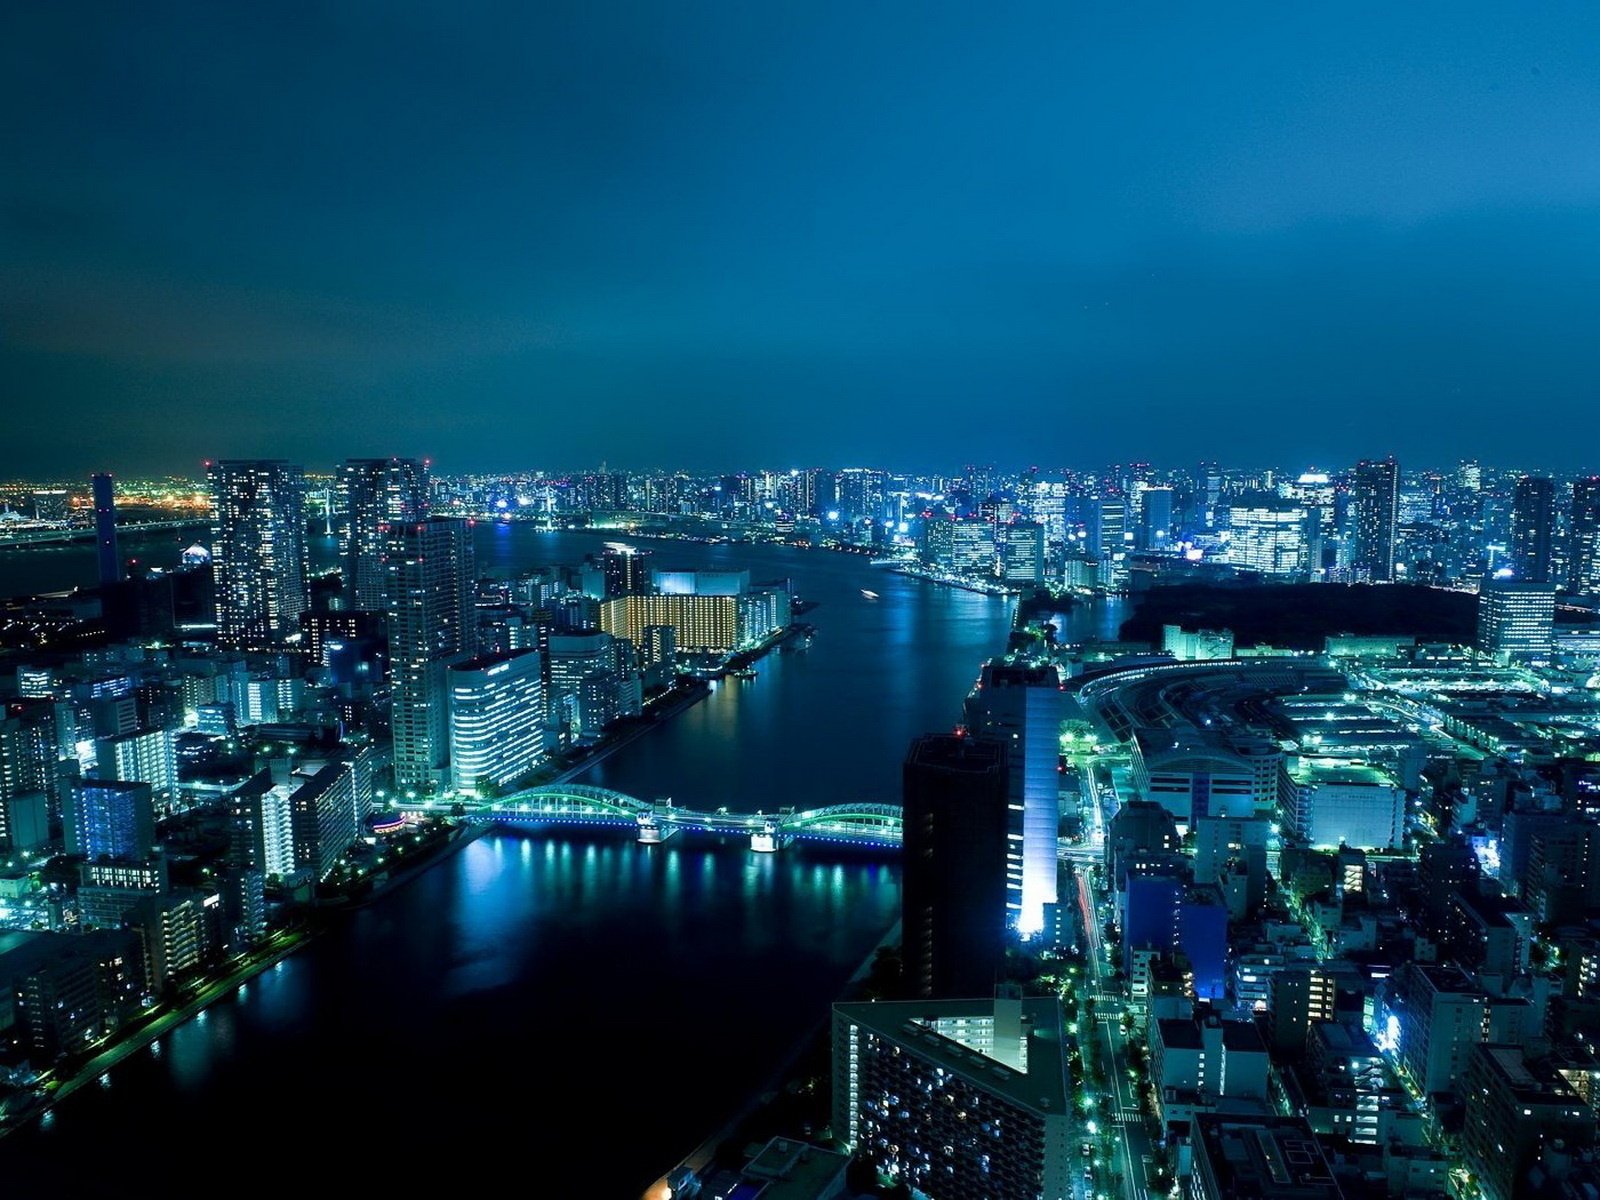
(746, 673)
(869, 595)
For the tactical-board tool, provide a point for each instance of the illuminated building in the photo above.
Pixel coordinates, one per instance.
(1513, 1117)
(105, 529)
(1532, 524)
(1022, 552)
(1192, 775)
(937, 545)
(1338, 803)
(1203, 645)
(953, 890)
(258, 551)
(1375, 493)
(27, 768)
(575, 656)
(1269, 536)
(957, 1098)
(1516, 619)
(430, 575)
(375, 493)
(1584, 558)
(1021, 707)
(146, 755)
(323, 811)
(107, 818)
(1301, 995)
(1196, 1061)
(261, 828)
(687, 582)
(181, 931)
(972, 547)
(497, 717)
(70, 989)
(700, 624)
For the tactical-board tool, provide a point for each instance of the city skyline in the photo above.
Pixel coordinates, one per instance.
(526, 233)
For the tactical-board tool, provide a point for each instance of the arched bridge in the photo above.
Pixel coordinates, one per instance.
(580, 804)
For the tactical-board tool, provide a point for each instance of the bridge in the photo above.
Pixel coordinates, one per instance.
(656, 822)
(23, 538)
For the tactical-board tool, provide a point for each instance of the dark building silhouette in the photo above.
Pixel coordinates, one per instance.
(375, 493)
(953, 897)
(1533, 508)
(105, 529)
(1376, 495)
(1584, 574)
(626, 571)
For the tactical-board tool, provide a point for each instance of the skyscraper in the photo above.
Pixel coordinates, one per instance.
(1376, 493)
(375, 493)
(1584, 572)
(258, 550)
(1532, 521)
(105, 529)
(626, 571)
(1020, 707)
(953, 896)
(429, 576)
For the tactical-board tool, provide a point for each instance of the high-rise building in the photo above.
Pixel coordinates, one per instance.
(1513, 1117)
(1269, 535)
(105, 529)
(1533, 508)
(701, 624)
(626, 571)
(258, 551)
(959, 1098)
(109, 818)
(1338, 803)
(1438, 1017)
(322, 813)
(147, 755)
(1516, 619)
(953, 891)
(375, 494)
(1022, 552)
(1020, 706)
(1155, 518)
(1375, 491)
(1583, 574)
(497, 718)
(429, 578)
(261, 828)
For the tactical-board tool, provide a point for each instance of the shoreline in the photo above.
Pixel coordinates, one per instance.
(702, 1155)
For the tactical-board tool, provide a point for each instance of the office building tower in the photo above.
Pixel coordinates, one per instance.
(1264, 1158)
(959, 1098)
(1375, 493)
(625, 571)
(1197, 1060)
(497, 718)
(375, 494)
(108, 818)
(181, 931)
(953, 891)
(1513, 1117)
(1269, 535)
(972, 547)
(1155, 519)
(1022, 552)
(105, 529)
(1533, 510)
(258, 551)
(429, 574)
(1020, 706)
(28, 755)
(1516, 619)
(1583, 572)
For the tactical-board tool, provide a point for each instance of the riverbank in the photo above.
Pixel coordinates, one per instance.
(786, 1078)
(129, 1041)
(957, 581)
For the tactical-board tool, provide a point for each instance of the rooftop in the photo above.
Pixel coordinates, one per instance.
(1271, 1158)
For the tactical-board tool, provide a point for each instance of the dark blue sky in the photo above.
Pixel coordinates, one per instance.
(761, 233)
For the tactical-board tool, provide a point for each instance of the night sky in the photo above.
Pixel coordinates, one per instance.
(710, 235)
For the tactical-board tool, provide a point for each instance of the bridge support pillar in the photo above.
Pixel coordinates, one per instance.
(654, 833)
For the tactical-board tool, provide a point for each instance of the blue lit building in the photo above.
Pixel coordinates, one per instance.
(110, 818)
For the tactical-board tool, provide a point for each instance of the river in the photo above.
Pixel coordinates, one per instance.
(582, 1008)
